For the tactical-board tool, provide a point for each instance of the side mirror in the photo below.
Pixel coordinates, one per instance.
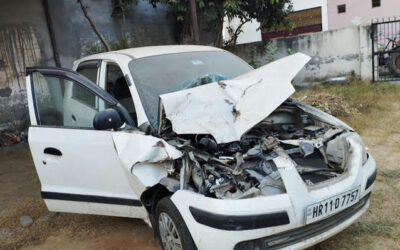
(107, 119)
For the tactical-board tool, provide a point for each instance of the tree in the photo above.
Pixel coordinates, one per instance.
(120, 7)
(99, 35)
(270, 13)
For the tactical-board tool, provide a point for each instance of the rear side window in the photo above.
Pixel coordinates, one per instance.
(90, 73)
(90, 70)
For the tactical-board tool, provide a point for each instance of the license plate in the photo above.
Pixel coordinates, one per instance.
(332, 205)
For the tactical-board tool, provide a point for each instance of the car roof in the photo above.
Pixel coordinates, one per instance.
(157, 50)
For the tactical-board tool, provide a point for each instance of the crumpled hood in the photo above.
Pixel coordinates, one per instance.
(228, 109)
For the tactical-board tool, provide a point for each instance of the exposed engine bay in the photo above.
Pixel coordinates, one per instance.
(246, 168)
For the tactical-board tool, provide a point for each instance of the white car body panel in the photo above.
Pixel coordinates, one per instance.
(124, 164)
(85, 153)
(146, 149)
(228, 109)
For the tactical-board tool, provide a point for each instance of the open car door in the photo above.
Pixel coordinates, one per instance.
(78, 166)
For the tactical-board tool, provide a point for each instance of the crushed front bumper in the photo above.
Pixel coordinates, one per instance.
(273, 222)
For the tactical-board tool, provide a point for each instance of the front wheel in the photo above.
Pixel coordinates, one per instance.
(174, 234)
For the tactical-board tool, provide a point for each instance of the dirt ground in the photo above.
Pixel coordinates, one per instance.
(379, 228)
(20, 195)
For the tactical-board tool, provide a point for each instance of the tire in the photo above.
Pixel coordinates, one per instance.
(166, 211)
(394, 63)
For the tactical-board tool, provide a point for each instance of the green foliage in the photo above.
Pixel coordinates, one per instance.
(120, 6)
(268, 53)
(270, 50)
(118, 45)
(270, 13)
(96, 49)
(121, 44)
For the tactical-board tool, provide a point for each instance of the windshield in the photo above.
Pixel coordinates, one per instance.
(157, 75)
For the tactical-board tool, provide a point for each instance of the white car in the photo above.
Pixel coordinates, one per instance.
(211, 153)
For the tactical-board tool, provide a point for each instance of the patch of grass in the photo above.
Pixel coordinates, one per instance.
(390, 173)
(377, 228)
(362, 95)
(355, 98)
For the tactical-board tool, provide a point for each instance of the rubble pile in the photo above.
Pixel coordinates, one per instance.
(332, 104)
(9, 137)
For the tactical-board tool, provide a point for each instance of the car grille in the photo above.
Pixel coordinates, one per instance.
(299, 234)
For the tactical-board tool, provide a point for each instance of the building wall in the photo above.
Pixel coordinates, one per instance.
(309, 4)
(145, 26)
(360, 12)
(329, 57)
(25, 41)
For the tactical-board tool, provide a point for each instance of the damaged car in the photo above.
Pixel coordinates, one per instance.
(208, 151)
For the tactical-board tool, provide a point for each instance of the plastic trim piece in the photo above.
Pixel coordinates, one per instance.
(89, 64)
(237, 223)
(371, 179)
(91, 198)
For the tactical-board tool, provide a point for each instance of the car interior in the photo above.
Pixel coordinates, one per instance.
(117, 86)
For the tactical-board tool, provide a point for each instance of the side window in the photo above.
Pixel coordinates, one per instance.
(63, 102)
(117, 86)
(90, 70)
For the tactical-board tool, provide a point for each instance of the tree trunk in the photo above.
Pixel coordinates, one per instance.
(237, 32)
(123, 18)
(218, 40)
(195, 26)
(51, 33)
(103, 41)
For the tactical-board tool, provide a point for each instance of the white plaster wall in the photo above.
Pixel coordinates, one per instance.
(309, 4)
(334, 53)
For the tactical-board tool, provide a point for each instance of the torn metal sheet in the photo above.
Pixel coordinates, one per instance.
(227, 109)
(149, 174)
(133, 148)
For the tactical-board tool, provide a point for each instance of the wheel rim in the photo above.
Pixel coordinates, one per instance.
(397, 62)
(168, 233)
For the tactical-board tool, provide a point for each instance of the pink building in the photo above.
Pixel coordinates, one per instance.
(343, 13)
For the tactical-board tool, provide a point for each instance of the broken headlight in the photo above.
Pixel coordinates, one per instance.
(364, 149)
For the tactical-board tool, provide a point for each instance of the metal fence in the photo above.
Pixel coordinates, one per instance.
(385, 35)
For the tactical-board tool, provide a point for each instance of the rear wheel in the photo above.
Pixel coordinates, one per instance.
(174, 234)
(395, 62)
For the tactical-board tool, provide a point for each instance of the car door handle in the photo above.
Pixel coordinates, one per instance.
(52, 151)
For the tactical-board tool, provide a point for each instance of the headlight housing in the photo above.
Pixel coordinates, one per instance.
(364, 149)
